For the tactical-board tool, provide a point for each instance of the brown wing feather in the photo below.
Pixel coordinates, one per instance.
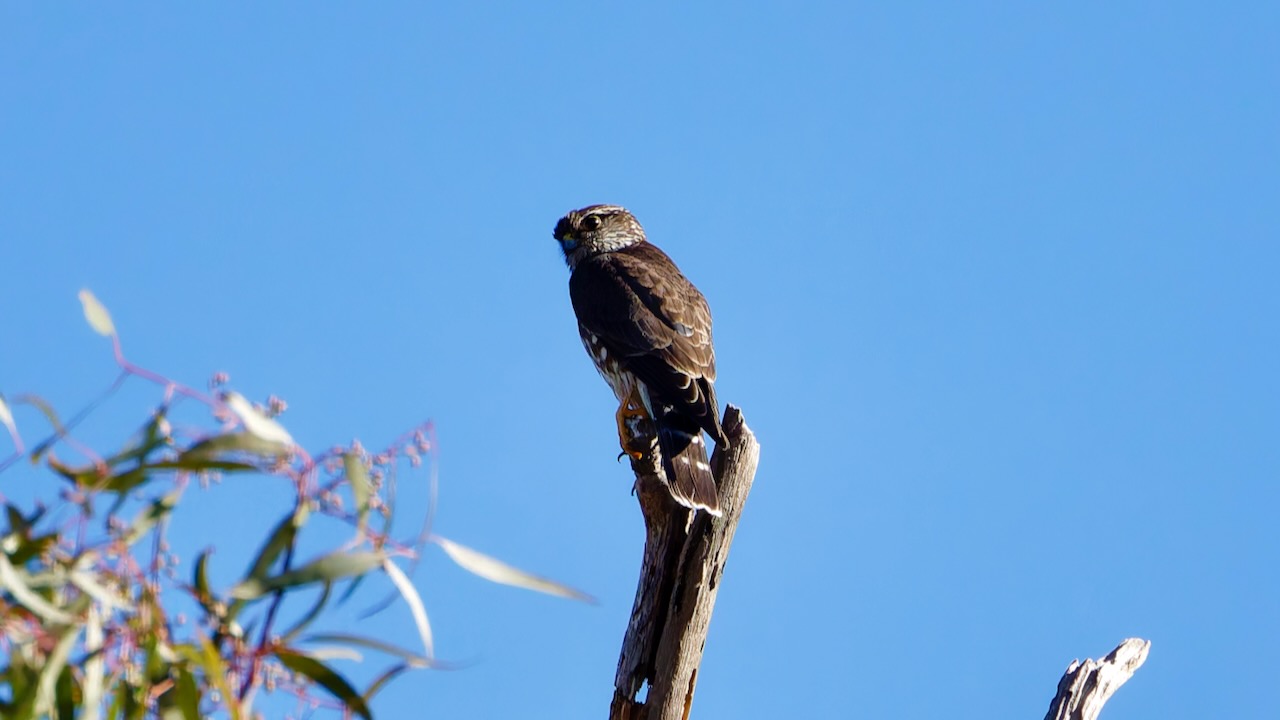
(648, 314)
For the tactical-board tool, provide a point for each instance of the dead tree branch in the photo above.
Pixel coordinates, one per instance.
(684, 556)
(1086, 686)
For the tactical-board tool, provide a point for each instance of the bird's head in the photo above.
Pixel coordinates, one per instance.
(594, 230)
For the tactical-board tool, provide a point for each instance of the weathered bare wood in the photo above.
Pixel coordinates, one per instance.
(684, 557)
(1087, 686)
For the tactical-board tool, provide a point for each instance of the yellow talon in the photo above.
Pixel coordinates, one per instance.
(631, 408)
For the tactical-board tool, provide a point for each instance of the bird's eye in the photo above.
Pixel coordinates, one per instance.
(591, 222)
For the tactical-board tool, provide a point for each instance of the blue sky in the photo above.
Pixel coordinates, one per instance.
(995, 285)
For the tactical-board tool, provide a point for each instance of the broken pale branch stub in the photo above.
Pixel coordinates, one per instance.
(1086, 686)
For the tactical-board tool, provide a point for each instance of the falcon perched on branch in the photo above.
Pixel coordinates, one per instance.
(648, 330)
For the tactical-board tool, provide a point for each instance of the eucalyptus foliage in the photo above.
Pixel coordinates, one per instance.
(94, 615)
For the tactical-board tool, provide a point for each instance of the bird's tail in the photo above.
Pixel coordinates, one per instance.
(688, 473)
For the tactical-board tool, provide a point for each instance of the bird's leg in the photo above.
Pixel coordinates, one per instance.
(630, 412)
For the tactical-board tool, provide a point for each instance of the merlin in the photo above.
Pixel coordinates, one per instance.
(648, 330)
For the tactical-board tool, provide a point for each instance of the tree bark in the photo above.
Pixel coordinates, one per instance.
(1086, 686)
(684, 557)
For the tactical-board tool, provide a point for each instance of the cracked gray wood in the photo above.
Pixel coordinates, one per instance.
(684, 558)
(1086, 686)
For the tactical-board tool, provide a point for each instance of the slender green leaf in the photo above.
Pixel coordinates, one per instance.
(200, 577)
(46, 699)
(127, 481)
(234, 442)
(117, 707)
(132, 706)
(188, 695)
(17, 523)
(81, 477)
(156, 511)
(97, 315)
(204, 655)
(381, 681)
(414, 601)
(331, 567)
(152, 439)
(255, 422)
(325, 677)
(94, 664)
(88, 583)
(197, 464)
(497, 571)
(6, 418)
(182, 700)
(11, 580)
(412, 658)
(24, 683)
(361, 487)
(335, 652)
(281, 539)
(64, 695)
(351, 590)
(311, 615)
(52, 416)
